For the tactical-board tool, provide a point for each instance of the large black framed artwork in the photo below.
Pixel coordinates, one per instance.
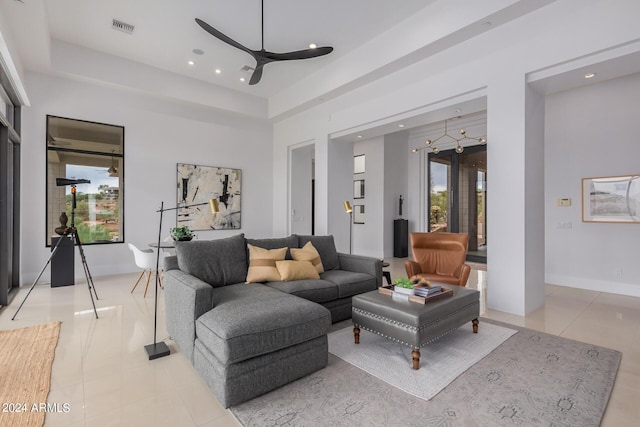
(198, 184)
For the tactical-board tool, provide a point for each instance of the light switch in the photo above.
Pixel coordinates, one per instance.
(563, 202)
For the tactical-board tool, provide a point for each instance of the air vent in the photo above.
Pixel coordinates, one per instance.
(247, 69)
(122, 26)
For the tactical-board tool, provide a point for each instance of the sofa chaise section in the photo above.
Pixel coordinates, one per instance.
(247, 339)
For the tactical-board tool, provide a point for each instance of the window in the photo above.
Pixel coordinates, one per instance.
(80, 150)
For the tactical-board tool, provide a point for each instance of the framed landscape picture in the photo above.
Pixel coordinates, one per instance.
(198, 184)
(614, 199)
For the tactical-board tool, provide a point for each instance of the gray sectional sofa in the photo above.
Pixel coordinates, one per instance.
(248, 339)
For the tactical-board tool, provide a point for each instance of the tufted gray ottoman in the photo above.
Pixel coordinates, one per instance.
(414, 324)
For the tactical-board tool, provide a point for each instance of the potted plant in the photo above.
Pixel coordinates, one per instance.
(182, 234)
(403, 286)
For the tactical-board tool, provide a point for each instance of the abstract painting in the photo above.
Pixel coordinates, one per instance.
(197, 185)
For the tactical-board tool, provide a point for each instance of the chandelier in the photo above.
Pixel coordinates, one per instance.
(459, 148)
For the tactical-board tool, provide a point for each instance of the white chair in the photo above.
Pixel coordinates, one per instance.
(145, 259)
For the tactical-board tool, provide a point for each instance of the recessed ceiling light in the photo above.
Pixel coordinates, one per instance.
(457, 110)
(191, 63)
(359, 136)
(218, 71)
(242, 79)
(313, 46)
(400, 125)
(198, 51)
(589, 75)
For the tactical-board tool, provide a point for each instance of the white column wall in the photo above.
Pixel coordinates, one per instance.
(534, 201)
(340, 188)
(301, 193)
(396, 158)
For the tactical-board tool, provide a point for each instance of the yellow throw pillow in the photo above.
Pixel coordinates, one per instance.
(308, 253)
(262, 264)
(297, 270)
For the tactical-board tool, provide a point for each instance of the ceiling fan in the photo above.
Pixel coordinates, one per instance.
(262, 56)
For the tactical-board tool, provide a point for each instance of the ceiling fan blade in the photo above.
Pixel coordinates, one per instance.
(257, 74)
(209, 29)
(298, 54)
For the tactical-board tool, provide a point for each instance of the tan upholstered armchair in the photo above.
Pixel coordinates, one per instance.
(439, 257)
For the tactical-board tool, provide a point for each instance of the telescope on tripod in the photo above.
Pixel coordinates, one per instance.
(70, 232)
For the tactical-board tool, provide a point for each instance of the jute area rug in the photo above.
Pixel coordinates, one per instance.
(26, 356)
(531, 379)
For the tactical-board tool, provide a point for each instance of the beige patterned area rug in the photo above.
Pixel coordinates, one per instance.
(26, 356)
(531, 379)
(441, 362)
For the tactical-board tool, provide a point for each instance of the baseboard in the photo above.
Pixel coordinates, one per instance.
(27, 278)
(628, 289)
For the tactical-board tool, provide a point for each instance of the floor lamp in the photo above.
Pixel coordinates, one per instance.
(347, 209)
(160, 349)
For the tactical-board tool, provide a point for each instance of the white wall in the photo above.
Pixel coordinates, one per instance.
(301, 189)
(158, 134)
(396, 160)
(368, 238)
(339, 180)
(385, 177)
(591, 132)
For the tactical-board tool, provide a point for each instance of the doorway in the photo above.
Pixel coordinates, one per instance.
(457, 201)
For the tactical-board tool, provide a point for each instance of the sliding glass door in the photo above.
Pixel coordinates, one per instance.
(457, 199)
(9, 190)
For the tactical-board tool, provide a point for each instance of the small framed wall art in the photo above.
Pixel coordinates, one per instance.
(358, 214)
(358, 189)
(613, 199)
(358, 164)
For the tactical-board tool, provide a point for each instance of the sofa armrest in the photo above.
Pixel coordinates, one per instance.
(170, 263)
(412, 268)
(362, 264)
(186, 299)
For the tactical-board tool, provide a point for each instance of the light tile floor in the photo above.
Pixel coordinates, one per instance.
(101, 368)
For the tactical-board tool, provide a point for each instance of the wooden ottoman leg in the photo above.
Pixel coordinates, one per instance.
(356, 335)
(415, 355)
(475, 325)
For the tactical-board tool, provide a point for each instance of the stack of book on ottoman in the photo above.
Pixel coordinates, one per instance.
(427, 292)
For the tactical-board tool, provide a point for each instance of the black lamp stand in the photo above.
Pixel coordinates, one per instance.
(160, 349)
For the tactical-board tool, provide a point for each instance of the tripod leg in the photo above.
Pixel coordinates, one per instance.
(85, 266)
(87, 274)
(53, 252)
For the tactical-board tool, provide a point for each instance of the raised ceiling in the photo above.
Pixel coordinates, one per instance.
(166, 34)
(371, 38)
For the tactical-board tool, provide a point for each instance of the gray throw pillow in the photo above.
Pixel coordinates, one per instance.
(326, 247)
(218, 262)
